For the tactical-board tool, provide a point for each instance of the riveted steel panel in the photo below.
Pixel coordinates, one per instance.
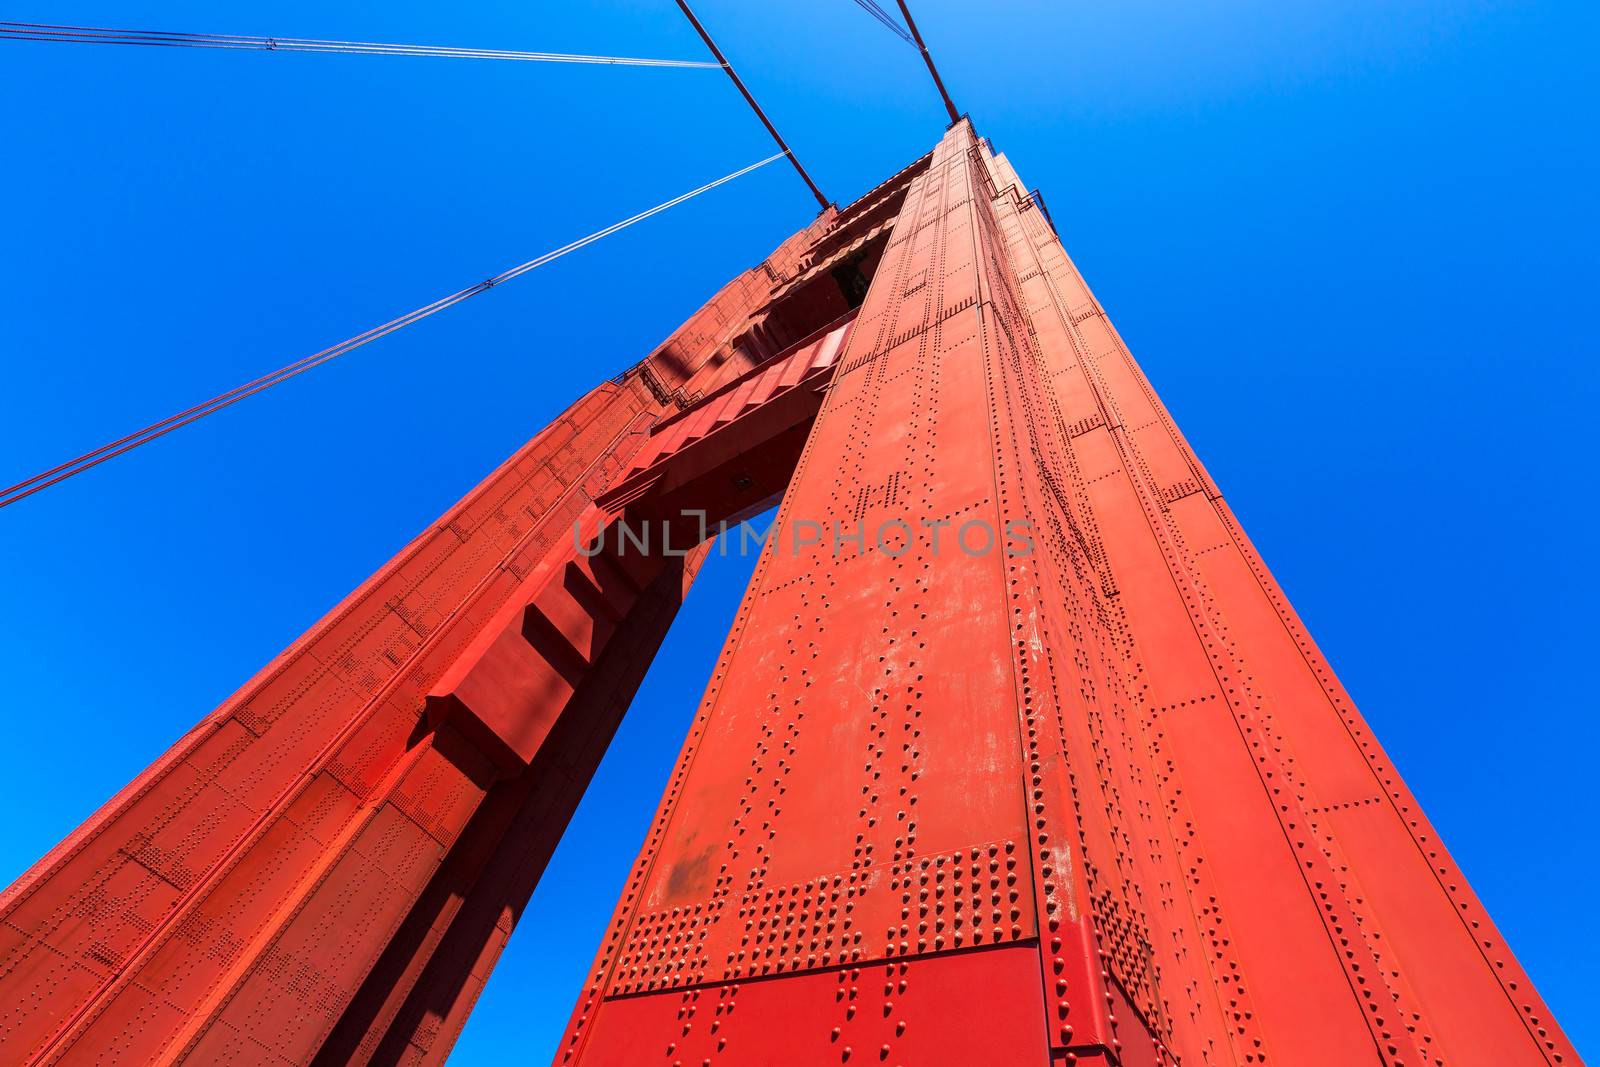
(1015, 754)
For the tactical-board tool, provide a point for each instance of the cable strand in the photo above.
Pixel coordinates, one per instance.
(38, 31)
(78, 464)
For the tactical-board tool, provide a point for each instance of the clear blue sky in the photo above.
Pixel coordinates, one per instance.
(1353, 245)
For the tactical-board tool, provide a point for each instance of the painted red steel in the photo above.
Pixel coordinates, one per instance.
(1048, 773)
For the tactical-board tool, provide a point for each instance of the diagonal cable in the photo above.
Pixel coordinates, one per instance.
(77, 465)
(749, 98)
(927, 57)
(38, 31)
(871, 8)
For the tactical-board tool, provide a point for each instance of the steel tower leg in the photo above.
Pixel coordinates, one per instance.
(1016, 753)
(1070, 783)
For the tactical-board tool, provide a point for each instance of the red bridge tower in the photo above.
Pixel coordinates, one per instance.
(1015, 754)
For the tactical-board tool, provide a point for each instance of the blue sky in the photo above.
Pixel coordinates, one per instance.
(1353, 246)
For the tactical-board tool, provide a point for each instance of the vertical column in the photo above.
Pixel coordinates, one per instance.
(871, 846)
(1337, 926)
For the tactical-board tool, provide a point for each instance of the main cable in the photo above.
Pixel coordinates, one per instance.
(39, 31)
(911, 24)
(738, 83)
(77, 465)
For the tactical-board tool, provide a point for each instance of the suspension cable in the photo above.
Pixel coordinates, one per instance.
(762, 115)
(871, 7)
(62, 471)
(38, 31)
(911, 24)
